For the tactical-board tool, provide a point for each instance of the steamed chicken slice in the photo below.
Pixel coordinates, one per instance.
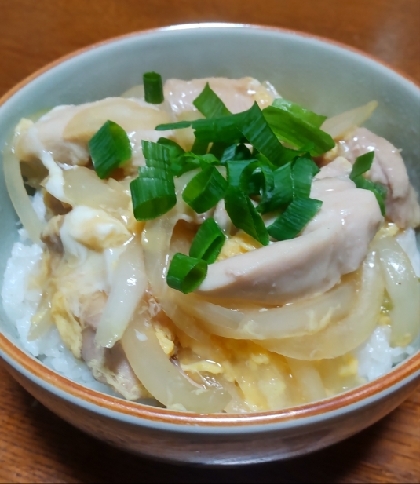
(112, 367)
(333, 244)
(237, 94)
(65, 130)
(388, 168)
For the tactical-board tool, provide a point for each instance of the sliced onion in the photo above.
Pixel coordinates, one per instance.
(308, 379)
(162, 378)
(83, 187)
(403, 288)
(156, 240)
(348, 333)
(131, 115)
(293, 319)
(135, 91)
(20, 199)
(128, 285)
(340, 125)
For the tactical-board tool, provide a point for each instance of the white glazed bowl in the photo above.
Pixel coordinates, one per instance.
(318, 74)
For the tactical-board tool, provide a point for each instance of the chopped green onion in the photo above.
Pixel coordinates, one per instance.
(377, 189)
(153, 193)
(153, 90)
(299, 112)
(174, 148)
(244, 215)
(257, 131)
(205, 189)
(156, 154)
(296, 132)
(109, 148)
(294, 219)
(235, 152)
(281, 193)
(209, 104)
(234, 171)
(362, 164)
(174, 125)
(208, 241)
(257, 178)
(303, 171)
(200, 146)
(186, 273)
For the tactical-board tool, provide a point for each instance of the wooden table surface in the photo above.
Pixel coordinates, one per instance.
(35, 445)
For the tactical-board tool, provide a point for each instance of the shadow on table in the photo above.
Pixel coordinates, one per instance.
(81, 458)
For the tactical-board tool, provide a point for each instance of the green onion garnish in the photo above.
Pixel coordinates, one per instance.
(299, 112)
(377, 189)
(281, 193)
(204, 190)
(153, 193)
(294, 131)
(153, 90)
(174, 148)
(303, 171)
(186, 273)
(209, 104)
(294, 219)
(109, 148)
(363, 164)
(244, 215)
(208, 241)
(257, 131)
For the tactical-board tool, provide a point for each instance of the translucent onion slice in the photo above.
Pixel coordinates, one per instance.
(128, 285)
(83, 187)
(129, 114)
(293, 319)
(308, 379)
(403, 288)
(348, 333)
(340, 125)
(162, 378)
(156, 240)
(20, 199)
(135, 91)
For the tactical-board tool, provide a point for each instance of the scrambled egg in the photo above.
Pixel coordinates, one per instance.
(241, 243)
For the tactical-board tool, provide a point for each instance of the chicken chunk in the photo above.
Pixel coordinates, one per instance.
(237, 94)
(49, 132)
(388, 168)
(333, 244)
(111, 366)
(65, 131)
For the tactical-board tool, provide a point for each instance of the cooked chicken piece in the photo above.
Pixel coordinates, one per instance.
(49, 130)
(65, 130)
(333, 244)
(91, 308)
(388, 168)
(237, 94)
(111, 366)
(51, 234)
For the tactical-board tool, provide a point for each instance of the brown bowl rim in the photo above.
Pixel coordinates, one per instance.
(161, 415)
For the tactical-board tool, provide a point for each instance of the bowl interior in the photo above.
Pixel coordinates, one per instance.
(319, 75)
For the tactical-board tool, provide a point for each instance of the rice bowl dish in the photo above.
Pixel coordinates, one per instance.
(268, 314)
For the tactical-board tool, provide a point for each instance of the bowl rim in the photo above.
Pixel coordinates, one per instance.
(25, 363)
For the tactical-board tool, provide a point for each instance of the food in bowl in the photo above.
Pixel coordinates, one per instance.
(212, 246)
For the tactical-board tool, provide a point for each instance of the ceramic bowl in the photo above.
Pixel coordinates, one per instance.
(319, 74)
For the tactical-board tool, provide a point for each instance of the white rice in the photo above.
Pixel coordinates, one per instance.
(20, 303)
(376, 357)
